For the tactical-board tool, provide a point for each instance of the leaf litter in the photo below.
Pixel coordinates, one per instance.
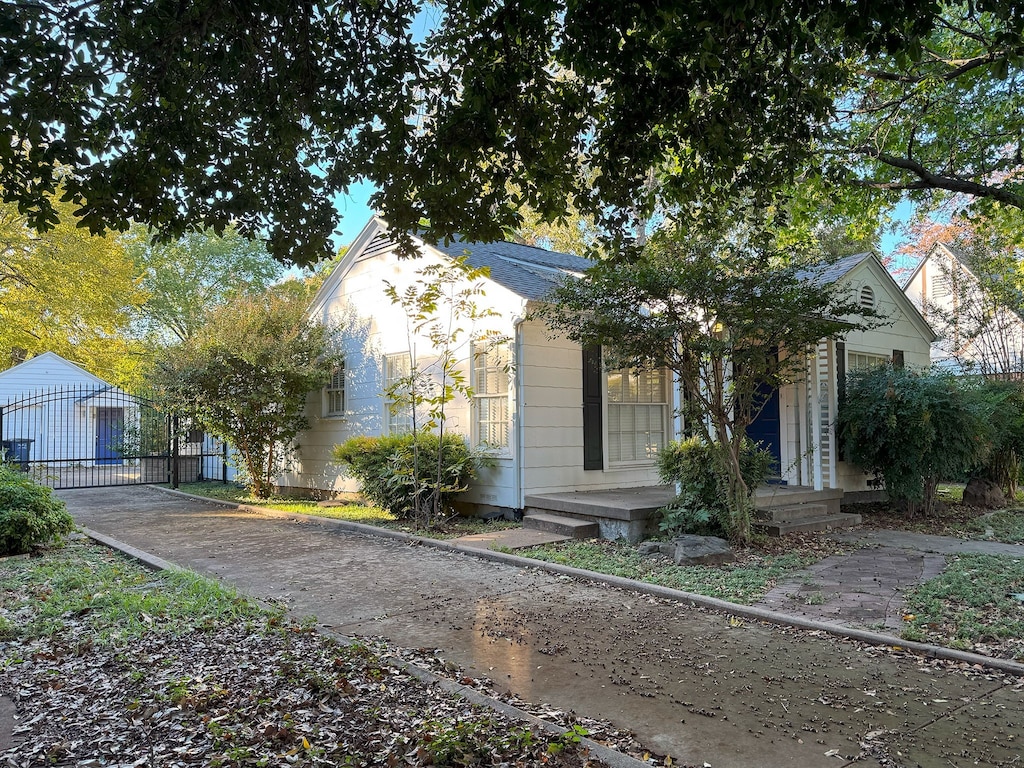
(256, 690)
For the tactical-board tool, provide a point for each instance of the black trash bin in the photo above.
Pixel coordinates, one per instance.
(16, 451)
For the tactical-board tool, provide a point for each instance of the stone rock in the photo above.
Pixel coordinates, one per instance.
(655, 548)
(984, 493)
(701, 550)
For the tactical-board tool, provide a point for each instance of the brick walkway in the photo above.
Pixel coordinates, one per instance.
(861, 589)
(864, 588)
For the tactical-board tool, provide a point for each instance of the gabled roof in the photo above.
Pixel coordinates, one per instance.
(833, 272)
(950, 251)
(51, 357)
(527, 271)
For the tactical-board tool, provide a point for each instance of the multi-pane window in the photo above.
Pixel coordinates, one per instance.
(859, 361)
(490, 396)
(637, 414)
(397, 406)
(334, 393)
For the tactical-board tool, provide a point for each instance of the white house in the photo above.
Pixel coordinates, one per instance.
(56, 411)
(558, 421)
(975, 332)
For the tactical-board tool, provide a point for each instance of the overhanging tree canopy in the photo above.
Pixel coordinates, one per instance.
(184, 114)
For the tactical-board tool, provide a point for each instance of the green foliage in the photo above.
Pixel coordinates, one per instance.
(441, 309)
(611, 108)
(29, 513)
(743, 298)
(1003, 404)
(971, 602)
(245, 377)
(399, 473)
(67, 292)
(701, 508)
(184, 279)
(912, 430)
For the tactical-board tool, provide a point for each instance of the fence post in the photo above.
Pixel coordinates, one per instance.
(224, 461)
(174, 451)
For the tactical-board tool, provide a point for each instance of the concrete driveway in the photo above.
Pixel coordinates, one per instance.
(703, 687)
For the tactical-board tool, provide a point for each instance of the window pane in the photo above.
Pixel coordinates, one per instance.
(490, 387)
(637, 410)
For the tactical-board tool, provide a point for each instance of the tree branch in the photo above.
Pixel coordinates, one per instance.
(930, 180)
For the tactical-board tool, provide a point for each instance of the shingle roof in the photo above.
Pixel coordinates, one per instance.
(834, 271)
(525, 270)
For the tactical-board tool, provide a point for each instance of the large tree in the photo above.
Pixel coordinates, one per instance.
(186, 278)
(728, 312)
(68, 292)
(203, 113)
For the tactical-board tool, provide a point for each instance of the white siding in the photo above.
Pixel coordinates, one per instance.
(553, 411)
(60, 429)
(380, 327)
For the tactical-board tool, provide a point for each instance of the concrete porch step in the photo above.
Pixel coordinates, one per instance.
(807, 524)
(769, 496)
(792, 513)
(564, 526)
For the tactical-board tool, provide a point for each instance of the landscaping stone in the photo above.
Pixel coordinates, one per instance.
(984, 493)
(701, 550)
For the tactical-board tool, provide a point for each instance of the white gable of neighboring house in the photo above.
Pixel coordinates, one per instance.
(46, 370)
(59, 427)
(973, 332)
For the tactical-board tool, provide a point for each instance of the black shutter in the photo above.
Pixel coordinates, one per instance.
(840, 393)
(897, 358)
(593, 429)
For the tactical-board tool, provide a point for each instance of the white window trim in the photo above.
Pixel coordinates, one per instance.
(328, 391)
(667, 417)
(876, 358)
(390, 420)
(497, 451)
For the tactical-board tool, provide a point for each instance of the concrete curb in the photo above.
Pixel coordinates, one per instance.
(686, 598)
(606, 755)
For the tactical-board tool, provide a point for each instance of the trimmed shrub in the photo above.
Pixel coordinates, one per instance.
(701, 507)
(399, 473)
(29, 513)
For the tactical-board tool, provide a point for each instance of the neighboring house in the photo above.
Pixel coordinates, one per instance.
(558, 421)
(51, 410)
(975, 332)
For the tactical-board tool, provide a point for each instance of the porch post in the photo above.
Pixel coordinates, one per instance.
(814, 406)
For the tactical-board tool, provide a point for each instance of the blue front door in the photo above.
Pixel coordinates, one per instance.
(109, 433)
(765, 428)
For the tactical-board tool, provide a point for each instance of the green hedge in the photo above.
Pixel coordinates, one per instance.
(395, 469)
(29, 513)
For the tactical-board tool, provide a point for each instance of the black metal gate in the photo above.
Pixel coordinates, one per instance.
(98, 435)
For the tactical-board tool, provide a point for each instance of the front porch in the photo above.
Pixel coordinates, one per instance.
(625, 513)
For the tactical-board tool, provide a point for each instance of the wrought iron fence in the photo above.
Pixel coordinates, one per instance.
(88, 436)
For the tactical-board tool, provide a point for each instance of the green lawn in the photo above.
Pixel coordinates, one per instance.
(743, 582)
(977, 602)
(355, 513)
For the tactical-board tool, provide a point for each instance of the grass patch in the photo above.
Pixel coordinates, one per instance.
(116, 598)
(743, 582)
(971, 606)
(353, 513)
(1006, 526)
